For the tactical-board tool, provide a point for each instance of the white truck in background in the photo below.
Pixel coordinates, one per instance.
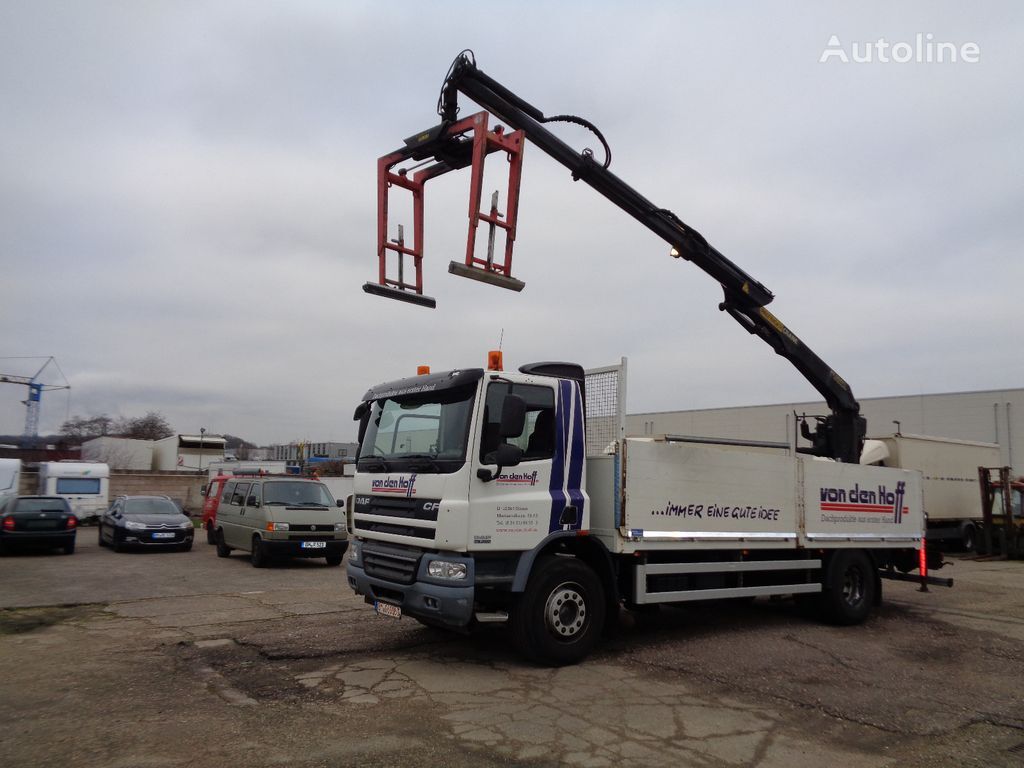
(85, 484)
(10, 479)
(949, 469)
(514, 497)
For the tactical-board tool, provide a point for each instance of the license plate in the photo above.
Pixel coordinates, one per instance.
(387, 609)
(167, 535)
(313, 545)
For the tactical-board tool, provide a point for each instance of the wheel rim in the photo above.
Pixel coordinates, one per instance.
(565, 612)
(853, 586)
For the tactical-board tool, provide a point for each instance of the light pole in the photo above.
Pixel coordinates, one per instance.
(202, 434)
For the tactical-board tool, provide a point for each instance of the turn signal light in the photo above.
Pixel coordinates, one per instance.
(422, 370)
(494, 360)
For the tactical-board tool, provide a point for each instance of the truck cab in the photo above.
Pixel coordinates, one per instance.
(459, 473)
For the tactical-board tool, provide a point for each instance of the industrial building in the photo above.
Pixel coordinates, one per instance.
(991, 416)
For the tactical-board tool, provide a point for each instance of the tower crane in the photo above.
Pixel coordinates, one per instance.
(35, 393)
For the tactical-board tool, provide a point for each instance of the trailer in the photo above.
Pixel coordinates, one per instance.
(949, 470)
(86, 485)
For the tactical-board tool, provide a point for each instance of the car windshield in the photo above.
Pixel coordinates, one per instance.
(150, 507)
(297, 494)
(427, 433)
(41, 505)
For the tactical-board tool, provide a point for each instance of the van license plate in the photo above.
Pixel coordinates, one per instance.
(314, 545)
(167, 535)
(387, 609)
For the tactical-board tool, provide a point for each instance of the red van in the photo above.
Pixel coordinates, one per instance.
(213, 490)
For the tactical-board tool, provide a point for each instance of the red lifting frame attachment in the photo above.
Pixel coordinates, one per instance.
(454, 150)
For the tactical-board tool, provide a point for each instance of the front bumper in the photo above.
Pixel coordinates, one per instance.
(294, 548)
(449, 605)
(147, 539)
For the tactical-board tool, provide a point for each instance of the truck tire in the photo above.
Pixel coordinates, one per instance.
(211, 536)
(223, 550)
(560, 616)
(850, 591)
(969, 537)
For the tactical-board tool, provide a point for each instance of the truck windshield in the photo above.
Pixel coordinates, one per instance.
(422, 432)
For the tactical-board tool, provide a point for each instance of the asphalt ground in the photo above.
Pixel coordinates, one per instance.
(186, 659)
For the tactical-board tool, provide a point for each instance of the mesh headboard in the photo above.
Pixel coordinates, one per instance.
(606, 407)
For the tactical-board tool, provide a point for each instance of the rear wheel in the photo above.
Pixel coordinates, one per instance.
(259, 556)
(560, 616)
(969, 537)
(69, 549)
(223, 550)
(850, 593)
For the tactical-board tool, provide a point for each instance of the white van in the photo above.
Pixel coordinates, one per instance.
(273, 517)
(85, 484)
(10, 478)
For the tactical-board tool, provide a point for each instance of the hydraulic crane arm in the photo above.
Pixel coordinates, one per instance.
(840, 435)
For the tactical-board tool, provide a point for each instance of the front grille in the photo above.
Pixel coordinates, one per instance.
(392, 563)
(397, 530)
(314, 527)
(314, 537)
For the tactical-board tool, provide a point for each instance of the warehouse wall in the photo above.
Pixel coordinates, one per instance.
(994, 416)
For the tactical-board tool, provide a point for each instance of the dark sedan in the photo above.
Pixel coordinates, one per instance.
(41, 521)
(145, 521)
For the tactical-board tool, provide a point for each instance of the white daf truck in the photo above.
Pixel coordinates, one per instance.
(487, 496)
(493, 496)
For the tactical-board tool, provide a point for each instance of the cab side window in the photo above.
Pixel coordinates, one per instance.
(538, 436)
(228, 494)
(253, 499)
(238, 497)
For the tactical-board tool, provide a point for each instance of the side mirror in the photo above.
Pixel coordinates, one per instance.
(513, 416)
(341, 503)
(203, 489)
(361, 410)
(508, 455)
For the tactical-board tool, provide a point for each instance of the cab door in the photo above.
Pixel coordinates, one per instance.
(515, 507)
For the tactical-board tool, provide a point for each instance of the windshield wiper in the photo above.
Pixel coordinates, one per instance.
(434, 463)
(308, 504)
(380, 464)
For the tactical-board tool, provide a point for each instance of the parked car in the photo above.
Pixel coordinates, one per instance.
(145, 521)
(42, 521)
(278, 516)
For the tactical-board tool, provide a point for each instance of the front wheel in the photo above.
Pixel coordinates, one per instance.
(211, 536)
(258, 554)
(559, 618)
(99, 532)
(850, 593)
(333, 560)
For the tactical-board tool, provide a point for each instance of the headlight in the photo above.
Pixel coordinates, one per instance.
(277, 526)
(185, 524)
(339, 526)
(442, 569)
(131, 525)
(353, 553)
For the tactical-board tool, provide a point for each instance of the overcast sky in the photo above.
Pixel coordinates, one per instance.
(188, 201)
